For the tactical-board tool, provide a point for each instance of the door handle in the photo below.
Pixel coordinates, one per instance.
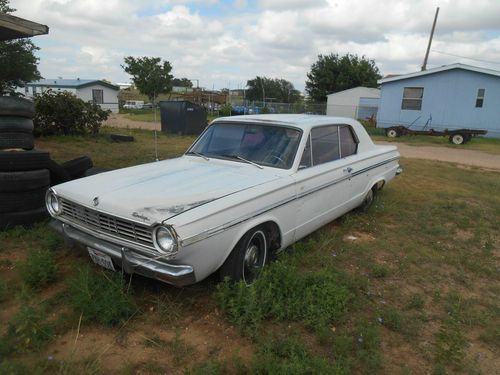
(348, 169)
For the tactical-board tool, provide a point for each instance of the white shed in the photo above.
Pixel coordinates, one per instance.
(351, 102)
(101, 92)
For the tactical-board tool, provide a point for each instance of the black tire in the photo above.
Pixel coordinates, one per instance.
(76, 168)
(95, 170)
(247, 258)
(16, 124)
(22, 201)
(11, 161)
(122, 138)
(457, 139)
(58, 174)
(23, 181)
(369, 199)
(25, 218)
(13, 140)
(14, 106)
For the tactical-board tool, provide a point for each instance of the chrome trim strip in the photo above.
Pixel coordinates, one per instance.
(218, 229)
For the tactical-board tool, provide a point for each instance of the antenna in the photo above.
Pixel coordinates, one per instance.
(156, 133)
(424, 65)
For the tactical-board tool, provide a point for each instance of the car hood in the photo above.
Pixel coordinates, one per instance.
(157, 191)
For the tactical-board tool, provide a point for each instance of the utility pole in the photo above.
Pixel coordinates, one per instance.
(424, 65)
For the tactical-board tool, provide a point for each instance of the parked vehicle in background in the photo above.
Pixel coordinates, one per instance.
(247, 188)
(134, 104)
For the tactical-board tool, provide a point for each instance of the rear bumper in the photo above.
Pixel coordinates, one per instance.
(130, 261)
(399, 170)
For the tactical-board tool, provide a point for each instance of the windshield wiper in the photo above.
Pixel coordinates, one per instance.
(197, 154)
(234, 156)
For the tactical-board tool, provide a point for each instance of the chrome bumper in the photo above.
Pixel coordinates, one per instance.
(128, 260)
(399, 170)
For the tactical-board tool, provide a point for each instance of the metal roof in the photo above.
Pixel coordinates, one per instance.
(12, 27)
(441, 69)
(71, 83)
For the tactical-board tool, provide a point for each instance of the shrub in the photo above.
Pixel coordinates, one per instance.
(62, 113)
(225, 110)
(100, 296)
(39, 268)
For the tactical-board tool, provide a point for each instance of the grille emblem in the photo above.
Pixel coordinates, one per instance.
(95, 201)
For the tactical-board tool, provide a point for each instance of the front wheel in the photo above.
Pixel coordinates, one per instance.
(247, 258)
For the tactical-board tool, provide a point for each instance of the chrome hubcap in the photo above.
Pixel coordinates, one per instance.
(255, 256)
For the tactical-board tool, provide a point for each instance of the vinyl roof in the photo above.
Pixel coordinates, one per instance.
(441, 69)
(12, 27)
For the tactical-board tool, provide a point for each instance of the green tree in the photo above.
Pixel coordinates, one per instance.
(182, 82)
(275, 89)
(333, 73)
(17, 60)
(150, 75)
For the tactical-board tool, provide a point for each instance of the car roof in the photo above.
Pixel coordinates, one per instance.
(302, 121)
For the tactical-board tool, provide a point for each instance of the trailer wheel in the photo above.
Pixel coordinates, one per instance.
(392, 132)
(457, 139)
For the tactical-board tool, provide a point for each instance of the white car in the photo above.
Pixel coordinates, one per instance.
(249, 186)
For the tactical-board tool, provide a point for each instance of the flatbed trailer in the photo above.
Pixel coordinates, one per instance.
(455, 136)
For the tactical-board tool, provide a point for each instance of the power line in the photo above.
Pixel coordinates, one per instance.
(465, 57)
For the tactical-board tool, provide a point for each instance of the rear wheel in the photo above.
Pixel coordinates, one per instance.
(369, 198)
(457, 139)
(392, 133)
(248, 257)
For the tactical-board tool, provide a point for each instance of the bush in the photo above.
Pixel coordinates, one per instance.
(39, 268)
(62, 113)
(225, 110)
(100, 296)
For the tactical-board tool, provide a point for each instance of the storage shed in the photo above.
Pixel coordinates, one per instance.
(101, 92)
(182, 117)
(449, 97)
(357, 103)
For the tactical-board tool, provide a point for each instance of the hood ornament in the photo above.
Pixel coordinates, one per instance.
(95, 201)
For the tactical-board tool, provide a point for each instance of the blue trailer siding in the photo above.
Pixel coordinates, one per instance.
(449, 102)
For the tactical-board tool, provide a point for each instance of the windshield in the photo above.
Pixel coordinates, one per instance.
(266, 145)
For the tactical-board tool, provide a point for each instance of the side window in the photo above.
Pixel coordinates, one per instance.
(480, 98)
(325, 144)
(305, 161)
(97, 96)
(412, 98)
(348, 144)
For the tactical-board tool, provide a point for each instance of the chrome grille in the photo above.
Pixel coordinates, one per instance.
(105, 223)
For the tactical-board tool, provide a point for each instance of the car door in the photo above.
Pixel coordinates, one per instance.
(322, 181)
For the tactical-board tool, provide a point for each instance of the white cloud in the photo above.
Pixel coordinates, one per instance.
(220, 44)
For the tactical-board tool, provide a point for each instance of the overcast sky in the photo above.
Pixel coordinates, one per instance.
(225, 43)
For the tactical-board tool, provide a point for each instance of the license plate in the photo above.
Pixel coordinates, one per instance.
(101, 259)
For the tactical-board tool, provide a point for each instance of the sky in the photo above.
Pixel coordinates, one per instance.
(222, 44)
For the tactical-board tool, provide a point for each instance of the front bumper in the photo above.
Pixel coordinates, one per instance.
(130, 261)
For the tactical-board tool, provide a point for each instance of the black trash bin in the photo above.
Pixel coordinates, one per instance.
(182, 117)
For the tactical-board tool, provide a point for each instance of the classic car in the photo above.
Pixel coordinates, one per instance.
(248, 187)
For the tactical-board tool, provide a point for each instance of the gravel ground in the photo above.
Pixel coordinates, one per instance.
(459, 156)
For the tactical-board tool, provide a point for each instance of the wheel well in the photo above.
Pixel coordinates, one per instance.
(273, 233)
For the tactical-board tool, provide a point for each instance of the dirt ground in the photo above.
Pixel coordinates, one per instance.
(466, 157)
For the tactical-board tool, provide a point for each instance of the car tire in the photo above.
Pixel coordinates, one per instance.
(392, 132)
(122, 138)
(58, 174)
(247, 258)
(457, 139)
(16, 124)
(95, 170)
(11, 161)
(22, 201)
(15, 106)
(25, 180)
(76, 168)
(368, 200)
(25, 141)
(25, 218)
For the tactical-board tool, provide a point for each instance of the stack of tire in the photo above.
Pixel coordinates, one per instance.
(25, 173)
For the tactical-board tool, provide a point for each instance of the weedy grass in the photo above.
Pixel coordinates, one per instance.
(283, 292)
(100, 296)
(39, 269)
(380, 271)
(416, 301)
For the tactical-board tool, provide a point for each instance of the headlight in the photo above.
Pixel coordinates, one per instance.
(53, 203)
(164, 240)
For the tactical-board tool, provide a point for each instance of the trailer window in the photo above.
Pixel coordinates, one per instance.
(480, 98)
(412, 98)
